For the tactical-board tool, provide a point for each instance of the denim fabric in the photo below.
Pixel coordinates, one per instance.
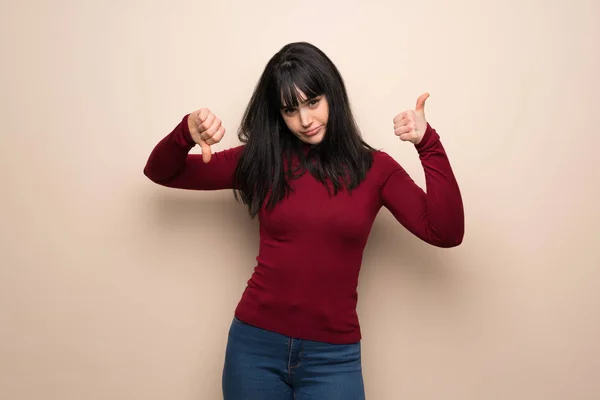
(264, 365)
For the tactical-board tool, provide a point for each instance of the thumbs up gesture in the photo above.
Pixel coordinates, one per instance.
(206, 130)
(411, 125)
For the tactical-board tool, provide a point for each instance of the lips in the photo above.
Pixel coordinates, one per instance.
(313, 131)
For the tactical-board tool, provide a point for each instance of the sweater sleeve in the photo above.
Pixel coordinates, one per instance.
(171, 165)
(436, 215)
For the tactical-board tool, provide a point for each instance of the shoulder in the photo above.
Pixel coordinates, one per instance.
(383, 162)
(384, 165)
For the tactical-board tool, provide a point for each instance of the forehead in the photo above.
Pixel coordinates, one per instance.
(294, 97)
(296, 94)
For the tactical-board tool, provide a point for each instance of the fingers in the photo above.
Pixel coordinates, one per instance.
(206, 152)
(403, 129)
(410, 125)
(206, 125)
(405, 117)
(406, 136)
(197, 119)
(211, 130)
(421, 102)
(206, 129)
(404, 122)
(216, 137)
(207, 122)
(205, 144)
(202, 120)
(203, 114)
(400, 117)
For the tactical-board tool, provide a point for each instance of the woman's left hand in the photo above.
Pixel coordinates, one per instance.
(411, 125)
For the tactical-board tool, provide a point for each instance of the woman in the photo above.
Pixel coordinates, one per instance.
(316, 188)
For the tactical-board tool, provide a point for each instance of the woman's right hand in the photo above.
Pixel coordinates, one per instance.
(206, 130)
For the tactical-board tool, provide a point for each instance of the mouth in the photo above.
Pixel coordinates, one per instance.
(314, 131)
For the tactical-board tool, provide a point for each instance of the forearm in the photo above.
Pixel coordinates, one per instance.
(171, 165)
(435, 215)
(168, 158)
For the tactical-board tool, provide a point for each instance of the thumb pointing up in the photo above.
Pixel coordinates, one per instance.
(420, 108)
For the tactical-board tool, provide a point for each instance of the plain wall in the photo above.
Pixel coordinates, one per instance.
(112, 287)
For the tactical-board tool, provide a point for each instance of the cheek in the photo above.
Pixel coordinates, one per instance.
(324, 113)
(290, 123)
(323, 118)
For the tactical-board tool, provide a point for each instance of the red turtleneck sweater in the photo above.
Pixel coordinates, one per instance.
(311, 244)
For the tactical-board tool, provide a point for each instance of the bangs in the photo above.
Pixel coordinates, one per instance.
(296, 83)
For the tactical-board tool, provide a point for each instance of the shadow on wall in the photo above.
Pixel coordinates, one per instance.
(217, 222)
(401, 270)
(393, 248)
(214, 222)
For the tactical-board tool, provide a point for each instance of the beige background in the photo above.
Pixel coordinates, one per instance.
(112, 287)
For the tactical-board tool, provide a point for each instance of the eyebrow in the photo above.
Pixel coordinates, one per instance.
(283, 107)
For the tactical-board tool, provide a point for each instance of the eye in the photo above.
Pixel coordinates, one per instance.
(289, 111)
(313, 102)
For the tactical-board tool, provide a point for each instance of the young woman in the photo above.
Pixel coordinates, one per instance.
(316, 187)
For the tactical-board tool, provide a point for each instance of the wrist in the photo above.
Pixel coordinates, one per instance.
(186, 130)
(425, 138)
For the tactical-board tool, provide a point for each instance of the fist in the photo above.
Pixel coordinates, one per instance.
(206, 129)
(411, 125)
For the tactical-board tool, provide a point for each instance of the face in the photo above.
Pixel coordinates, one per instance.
(309, 120)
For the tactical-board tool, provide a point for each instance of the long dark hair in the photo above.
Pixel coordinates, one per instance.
(340, 161)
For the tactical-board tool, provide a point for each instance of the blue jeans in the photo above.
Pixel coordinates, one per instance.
(265, 365)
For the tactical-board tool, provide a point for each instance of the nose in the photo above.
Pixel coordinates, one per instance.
(305, 118)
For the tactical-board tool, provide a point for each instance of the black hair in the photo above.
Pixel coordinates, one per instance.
(341, 160)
